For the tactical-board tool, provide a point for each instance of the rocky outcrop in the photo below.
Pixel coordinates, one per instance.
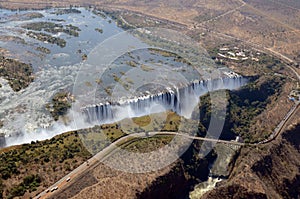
(226, 156)
(269, 171)
(181, 179)
(172, 185)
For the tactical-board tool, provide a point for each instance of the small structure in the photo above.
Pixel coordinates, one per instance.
(54, 189)
(239, 139)
(295, 94)
(292, 99)
(231, 53)
(224, 49)
(241, 54)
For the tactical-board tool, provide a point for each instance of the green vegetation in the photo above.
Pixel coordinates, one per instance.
(97, 138)
(129, 80)
(39, 26)
(84, 57)
(190, 169)
(67, 11)
(29, 183)
(254, 63)
(99, 30)
(35, 15)
(54, 158)
(108, 90)
(146, 145)
(1, 189)
(142, 121)
(16, 39)
(43, 50)
(146, 68)
(31, 15)
(53, 28)
(248, 103)
(160, 122)
(116, 17)
(61, 103)
(58, 20)
(168, 121)
(266, 64)
(47, 38)
(116, 78)
(132, 63)
(244, 106)
(71, 27)
(99, 81)
(162, 52)
(99, 13)
(19, 75)
(58, 155)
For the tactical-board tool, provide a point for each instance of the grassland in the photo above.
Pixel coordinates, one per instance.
(106, 134)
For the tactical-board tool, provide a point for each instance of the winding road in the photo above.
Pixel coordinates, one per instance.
(113, 147)
(106, 152)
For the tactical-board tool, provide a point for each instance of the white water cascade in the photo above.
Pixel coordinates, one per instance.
(180, 100)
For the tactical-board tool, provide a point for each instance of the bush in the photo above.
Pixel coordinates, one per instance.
(29, 183)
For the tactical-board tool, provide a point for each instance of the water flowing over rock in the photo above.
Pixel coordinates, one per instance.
(2, 140)
(180, 100)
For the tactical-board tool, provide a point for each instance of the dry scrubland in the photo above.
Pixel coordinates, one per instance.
(274, 173)
(270, 171)
(28, 169)
(104, 182)
(272, 24)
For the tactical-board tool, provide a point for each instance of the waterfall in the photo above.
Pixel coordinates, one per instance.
(2, 140)
(181, 100)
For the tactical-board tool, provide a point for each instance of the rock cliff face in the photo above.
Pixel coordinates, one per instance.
(172, 185)
(270, 171)
(179, 100)
(173, 181)
(181, 179)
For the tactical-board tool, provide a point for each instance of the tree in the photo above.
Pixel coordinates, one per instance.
(1, 189)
